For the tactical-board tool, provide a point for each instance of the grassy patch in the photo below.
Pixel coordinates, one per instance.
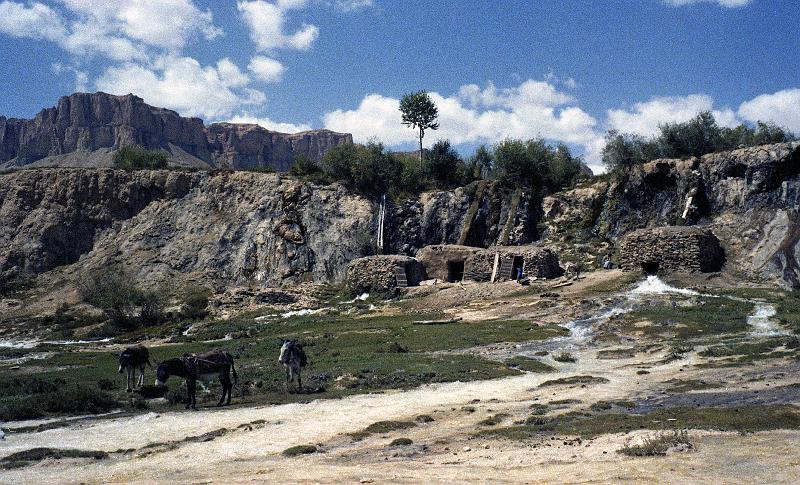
(616, 354)
(528, 365)
(401, 442)
(565, 357)
(609, 405)
(299, 450)
(749, 348)
(678, 385)
(740, 419)
(493, 420)
(574, 380)
(338, 346)
(658, 445)
(382, 427)
(702, 317)
(35, 455)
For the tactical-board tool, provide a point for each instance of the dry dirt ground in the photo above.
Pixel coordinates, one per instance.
(244, 445)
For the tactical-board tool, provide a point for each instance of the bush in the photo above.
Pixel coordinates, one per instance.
(304, 167)
(659, 445)
(444, 167)
(139, 158)
(694, 138)
(115, 293)
(195, 301)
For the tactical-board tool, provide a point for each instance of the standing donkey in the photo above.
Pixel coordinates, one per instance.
(131, 359)
(293, 358)
(205, 367)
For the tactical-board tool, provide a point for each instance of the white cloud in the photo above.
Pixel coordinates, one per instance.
(475, 115)
(266, 69)
(271, 125)
(782, 108)
(35, 21)
(182, 84)
(646, 117)
(353, 5)
(165, 24)
(721, 3)
(267, 23)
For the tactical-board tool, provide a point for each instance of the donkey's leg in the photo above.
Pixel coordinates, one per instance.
(288, 378)
(141, 376)
(130, 378)
(191, 389)
(299, 381)
(223, 380)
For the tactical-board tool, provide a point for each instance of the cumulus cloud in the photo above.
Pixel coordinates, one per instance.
(266, 69)
(644, 118)
(120, 30)
(183, 84)
(476, 115)
(721, 3)
(267, 24)
(270, 124)
(33, 21)
(353, 5)
(782, 108)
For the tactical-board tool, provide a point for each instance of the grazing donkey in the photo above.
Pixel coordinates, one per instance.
(205, 367)
(131, 359)
(293, 358)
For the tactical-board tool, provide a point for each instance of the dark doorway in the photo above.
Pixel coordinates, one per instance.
(455, 271)
(519, 265)
(650, 268)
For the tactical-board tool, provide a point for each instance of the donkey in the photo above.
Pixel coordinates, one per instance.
(131, 359)
(293, 358)
(200, 367)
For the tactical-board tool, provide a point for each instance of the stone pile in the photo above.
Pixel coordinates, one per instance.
(378, 274)
(671, 248)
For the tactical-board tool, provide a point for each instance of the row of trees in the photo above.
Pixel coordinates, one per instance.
(372, 170)
(696, 137)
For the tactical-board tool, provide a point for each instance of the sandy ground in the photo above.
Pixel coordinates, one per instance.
(446, 450)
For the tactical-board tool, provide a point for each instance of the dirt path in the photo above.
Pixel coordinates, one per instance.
(252, 452)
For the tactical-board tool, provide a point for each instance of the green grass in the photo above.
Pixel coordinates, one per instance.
(382, 427)
(574, 380)
(29, 457)
(299, 450)
(677, 385)
(337, 346)
(710, 316)
(588, 425)
(529, 365)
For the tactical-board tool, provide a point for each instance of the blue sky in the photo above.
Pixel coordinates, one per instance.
(566, 70)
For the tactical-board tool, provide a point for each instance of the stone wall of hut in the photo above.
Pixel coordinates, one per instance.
(671, 248)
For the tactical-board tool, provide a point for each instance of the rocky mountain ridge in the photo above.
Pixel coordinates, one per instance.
(84, 129)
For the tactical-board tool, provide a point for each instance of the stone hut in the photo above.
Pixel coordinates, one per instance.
(504, 263)
(671, 248)
(446, 262)
(383, 273)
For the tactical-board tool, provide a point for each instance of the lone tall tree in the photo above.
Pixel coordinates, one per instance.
(419, 112)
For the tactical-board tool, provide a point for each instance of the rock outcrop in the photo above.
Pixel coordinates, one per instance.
(749, 198)
(83, 130)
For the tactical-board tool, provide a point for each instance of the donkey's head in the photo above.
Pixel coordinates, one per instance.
(166, 369)
(286, 351)
(125, 360)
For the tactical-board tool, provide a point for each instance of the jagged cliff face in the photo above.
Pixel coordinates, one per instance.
(748, 197)
(230, 228)
(84, 130)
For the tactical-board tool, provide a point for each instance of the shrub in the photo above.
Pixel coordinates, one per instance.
(658, 445)
(138, 158)
(304, 167)
(565, 357)
(116, 294)
(195, 301)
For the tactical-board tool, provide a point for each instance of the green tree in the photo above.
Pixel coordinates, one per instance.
(419, 112)
(444, 166)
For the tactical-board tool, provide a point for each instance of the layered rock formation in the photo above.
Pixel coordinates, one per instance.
(749, 198)
(84, 129)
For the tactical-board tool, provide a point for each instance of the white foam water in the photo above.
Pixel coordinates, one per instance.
(653, 285)
(762, 322)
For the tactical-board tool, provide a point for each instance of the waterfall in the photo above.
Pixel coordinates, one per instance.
(381, 219)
